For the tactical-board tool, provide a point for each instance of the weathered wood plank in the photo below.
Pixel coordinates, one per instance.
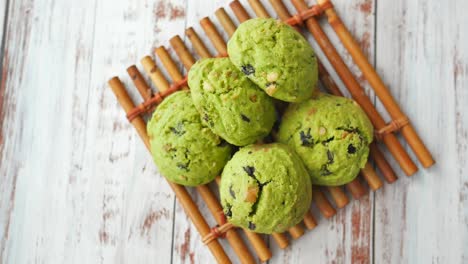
(421, 51)
(77, 185)
(65, 198)
(143, 229)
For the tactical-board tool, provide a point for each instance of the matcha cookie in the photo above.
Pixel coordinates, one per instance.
(265, 188)
(275, 57)
(229, 103)
(331, 134)
(185, 151)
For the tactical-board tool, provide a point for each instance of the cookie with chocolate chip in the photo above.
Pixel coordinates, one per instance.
(331, 134)
(275, 57)
(265, 188)
(185, 150)
(231, 105)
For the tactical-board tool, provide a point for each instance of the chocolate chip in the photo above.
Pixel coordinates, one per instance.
(249, 170)
(245, 118)
(178, 130)
(324, 170)
(270, 84)
(183, 166)
(228, 212)
(231, 192)
(348, 129)
(306, 138)
(248, 69)
(252, 226)
(330, 156)
(206, 117)
(351, 149)
(325, 142)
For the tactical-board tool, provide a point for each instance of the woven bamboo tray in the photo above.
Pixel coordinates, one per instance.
(307, 18)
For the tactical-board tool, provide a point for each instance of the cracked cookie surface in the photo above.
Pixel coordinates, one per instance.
(275, 57)
(230, 104)
(185, 151)
(331, 134)
(265, 188)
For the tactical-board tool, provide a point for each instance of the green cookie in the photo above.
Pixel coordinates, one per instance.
(185, 151)
(331, 134)
(275, 57)
(265, 188)
(229, 103)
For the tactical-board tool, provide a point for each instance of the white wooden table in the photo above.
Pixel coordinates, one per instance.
(78, 186)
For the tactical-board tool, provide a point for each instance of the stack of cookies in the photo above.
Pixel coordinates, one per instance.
(229, 123)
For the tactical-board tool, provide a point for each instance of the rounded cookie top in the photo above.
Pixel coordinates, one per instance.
(185, 151)
(331, 134)
(265, 188)
(229, 103)
(275, 57)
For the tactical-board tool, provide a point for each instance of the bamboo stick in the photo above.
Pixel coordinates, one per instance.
(181, 193)
(309, 220)
(140, 83)
(239, 11)
(155, 74)
(390, 140)
(281, 240)
(182, 52)
(338, 194)
(257, 242)
(322, 202)
(197, 43)
(356, 189)
(382, 163)
(231, 235)
(169, 64)
(296, 231)
(379, 87)
(225, 21)
(213, 35)
(340, 198)
(371, 177)
(259, 9)
(259, 245)
(280, 9)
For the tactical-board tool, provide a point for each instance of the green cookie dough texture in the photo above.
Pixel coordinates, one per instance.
(185, 151)
(331, 134)
(229, 103)
(275, 57)
(265, 188)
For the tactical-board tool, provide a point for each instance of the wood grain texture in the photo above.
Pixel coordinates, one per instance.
(77, 185)
(424, 218)
(3, 18)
